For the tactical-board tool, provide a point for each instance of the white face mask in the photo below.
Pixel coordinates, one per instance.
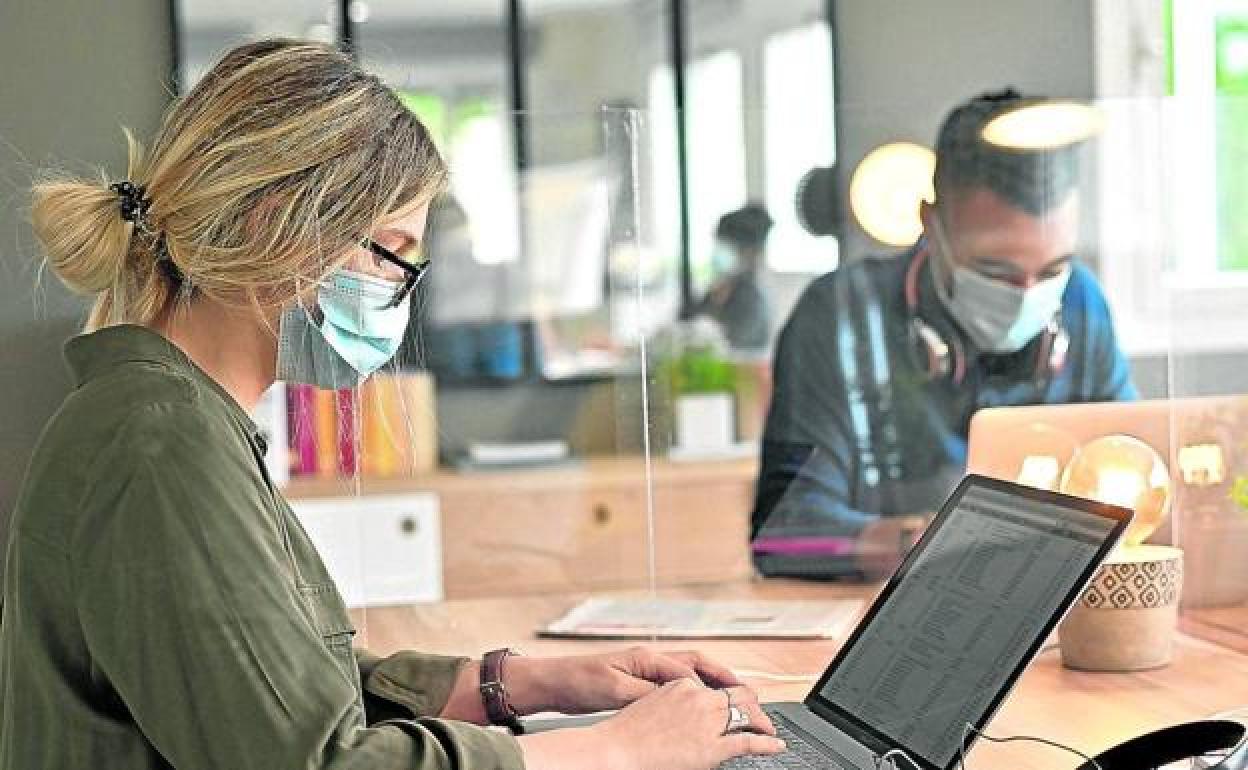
(998, 317)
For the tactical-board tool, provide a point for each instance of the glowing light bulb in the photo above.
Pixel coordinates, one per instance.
(1122, 470)
(1119, 486)
(886, 189)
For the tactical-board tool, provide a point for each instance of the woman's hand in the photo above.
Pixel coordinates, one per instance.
(588, 683)
(679, 726)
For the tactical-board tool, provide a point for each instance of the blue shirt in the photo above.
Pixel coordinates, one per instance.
(858, 428)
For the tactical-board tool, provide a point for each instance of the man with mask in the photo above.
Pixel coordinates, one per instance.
(884, 361)
(735, 300)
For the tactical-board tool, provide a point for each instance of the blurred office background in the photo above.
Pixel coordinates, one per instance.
(595, 145)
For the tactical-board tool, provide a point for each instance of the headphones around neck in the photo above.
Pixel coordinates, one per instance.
(942, 357)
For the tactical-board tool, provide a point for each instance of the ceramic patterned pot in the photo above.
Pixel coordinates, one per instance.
(1126, 618)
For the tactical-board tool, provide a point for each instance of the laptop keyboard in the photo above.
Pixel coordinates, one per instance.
(803, 752)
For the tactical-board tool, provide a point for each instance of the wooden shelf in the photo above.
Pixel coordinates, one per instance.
(605, 471)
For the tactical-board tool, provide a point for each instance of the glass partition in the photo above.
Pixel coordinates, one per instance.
(1206, 290)
(503, 453)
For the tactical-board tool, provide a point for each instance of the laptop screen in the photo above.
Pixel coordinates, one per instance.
(954, 628)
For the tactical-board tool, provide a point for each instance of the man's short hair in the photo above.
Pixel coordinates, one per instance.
(747, 226)
(1033, 180)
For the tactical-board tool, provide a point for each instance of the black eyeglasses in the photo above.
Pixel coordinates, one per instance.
(413, 273)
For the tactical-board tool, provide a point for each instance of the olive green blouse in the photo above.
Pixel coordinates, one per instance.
(164, 608)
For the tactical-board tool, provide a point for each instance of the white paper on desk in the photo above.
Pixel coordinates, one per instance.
(518, 452)
(693, 619)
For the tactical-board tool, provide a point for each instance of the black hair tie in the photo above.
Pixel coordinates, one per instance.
(134, 202)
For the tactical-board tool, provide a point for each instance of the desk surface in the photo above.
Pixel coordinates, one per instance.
(1088, 711)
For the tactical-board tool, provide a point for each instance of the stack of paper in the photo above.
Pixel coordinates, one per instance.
(515, 453)
(692, 619)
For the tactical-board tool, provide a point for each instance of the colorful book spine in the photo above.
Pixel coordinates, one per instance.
(385, 428)
(420, 423)
(347, 434)
(382, 446)
(301, 428)
(366, 405)
(326, 432)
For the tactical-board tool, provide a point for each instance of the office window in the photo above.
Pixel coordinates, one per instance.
(473, 135)
(1172, 243)
(457, 67)
(799, 134)
(1231, 139)
(210, 28)
(716, 155)
(479, 153)
(660, 129)
(1208, 62)
(450, 68)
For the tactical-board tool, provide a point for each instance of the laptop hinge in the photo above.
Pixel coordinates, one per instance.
(837, 720)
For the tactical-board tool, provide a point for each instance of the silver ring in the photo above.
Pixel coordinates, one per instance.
(738, 719)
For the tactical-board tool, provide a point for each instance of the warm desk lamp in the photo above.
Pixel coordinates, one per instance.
(1126, 618)
(886, 188)
(1044, 124)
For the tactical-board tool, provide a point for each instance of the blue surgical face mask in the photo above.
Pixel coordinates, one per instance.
(998, 317)
(723, 258)
(357, 334)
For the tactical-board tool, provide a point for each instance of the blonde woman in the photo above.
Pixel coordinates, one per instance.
(162, 606)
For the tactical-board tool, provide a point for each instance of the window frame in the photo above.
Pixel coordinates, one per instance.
(1162, 302)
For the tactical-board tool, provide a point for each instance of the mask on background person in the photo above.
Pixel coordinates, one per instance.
(357, 335)
(723, 258)
(998, 317)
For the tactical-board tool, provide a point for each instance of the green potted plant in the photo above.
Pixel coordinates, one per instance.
(702, 381)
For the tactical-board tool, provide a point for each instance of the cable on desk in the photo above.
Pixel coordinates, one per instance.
(891, 756)
(970, 728)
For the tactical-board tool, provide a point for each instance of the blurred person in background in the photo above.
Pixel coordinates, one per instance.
(735, 299)
(884, 361)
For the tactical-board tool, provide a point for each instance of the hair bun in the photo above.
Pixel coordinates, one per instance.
(80, 228)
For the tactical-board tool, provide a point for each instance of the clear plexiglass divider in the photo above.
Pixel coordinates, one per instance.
(503, 454)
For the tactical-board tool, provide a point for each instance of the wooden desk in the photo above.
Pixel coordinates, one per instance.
(1088, 711)
(1227, 626)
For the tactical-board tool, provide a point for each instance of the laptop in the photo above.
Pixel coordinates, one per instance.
(1201, 440)
(946, 639)
(1002, 440)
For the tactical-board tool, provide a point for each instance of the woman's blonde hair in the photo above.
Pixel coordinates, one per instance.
(260, 180)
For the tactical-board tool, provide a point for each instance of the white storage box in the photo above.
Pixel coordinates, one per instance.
(379, 549)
